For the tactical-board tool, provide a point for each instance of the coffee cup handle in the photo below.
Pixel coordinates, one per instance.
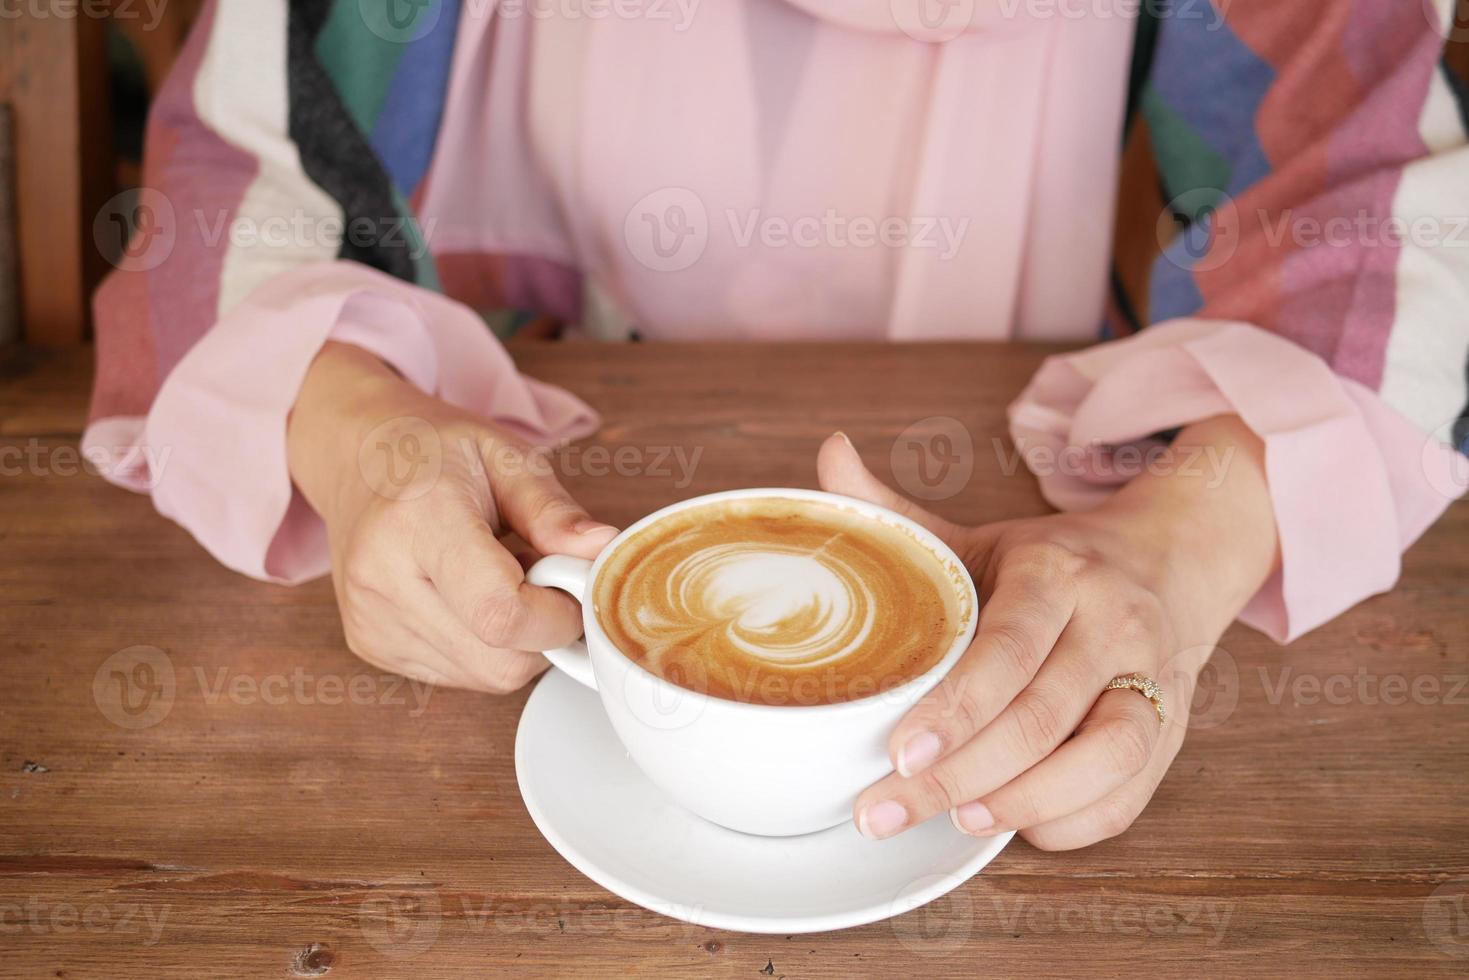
(569, 575)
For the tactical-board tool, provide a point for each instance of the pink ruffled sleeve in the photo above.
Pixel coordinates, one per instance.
(1353, 482)
(212, 448)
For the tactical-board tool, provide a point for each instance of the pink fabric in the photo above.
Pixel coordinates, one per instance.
(931, 188)
(1353, 482)
(212, 450)
(575, 140)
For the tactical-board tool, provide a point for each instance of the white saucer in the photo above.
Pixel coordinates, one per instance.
(602, 814)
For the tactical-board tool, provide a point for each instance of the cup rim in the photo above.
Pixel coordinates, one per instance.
(928, 679)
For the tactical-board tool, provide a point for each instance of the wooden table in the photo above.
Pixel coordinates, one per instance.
(1315, 823)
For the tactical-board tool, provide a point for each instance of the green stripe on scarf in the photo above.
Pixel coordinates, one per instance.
(359, 59)
(1185, 162)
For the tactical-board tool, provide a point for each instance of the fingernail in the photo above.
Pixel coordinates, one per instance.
(845, 438)
(882, 819)
(972, 818)
(589, 526)
(918, 753)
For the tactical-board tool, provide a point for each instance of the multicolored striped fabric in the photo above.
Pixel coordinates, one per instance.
(1256, 134)
(1309, 161)
(304, 111)
(365, 109)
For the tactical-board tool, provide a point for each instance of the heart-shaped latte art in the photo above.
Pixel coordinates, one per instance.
(779, 605)
(748, 599)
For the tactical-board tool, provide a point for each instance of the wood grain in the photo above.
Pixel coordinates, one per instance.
(9, 234)
(249, 834)
(53, 72)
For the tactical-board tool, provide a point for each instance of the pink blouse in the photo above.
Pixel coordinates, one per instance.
(836, 174)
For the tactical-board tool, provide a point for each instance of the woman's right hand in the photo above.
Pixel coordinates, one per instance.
(415, 494)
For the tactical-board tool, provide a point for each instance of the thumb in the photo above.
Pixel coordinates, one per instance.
(839, 469)
(537, 507)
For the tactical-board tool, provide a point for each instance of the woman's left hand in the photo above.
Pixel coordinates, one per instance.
(1021, 735)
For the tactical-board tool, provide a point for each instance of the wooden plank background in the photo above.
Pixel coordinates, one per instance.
(9, 234)
(53, 74)
(245, 834)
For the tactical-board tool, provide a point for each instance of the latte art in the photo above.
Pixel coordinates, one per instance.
(777, 605)
(779, 601)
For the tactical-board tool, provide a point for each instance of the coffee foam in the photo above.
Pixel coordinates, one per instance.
(780, 601)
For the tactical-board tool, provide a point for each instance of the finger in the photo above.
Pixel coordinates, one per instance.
(1029, 729)
(1114, 743)
(839, 469)
(535, 505)
(485, 588)
(418, 656)
(1115, 812)
(481, 667)
(505, 671)
(1019, 625)
(389, 643)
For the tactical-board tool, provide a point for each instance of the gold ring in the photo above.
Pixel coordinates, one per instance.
(1143, 685)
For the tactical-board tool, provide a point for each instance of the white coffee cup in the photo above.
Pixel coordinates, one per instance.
(772, 770)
